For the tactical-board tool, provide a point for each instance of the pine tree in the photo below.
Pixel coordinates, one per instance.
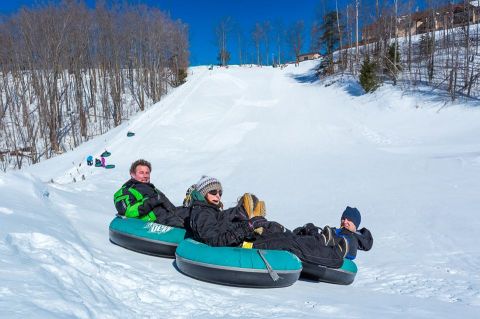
(368, 76)
(330, 38)
(325, 66)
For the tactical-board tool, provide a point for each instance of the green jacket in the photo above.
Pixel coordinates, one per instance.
(144, 201)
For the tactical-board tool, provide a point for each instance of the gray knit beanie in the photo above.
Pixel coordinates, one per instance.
(207, 184)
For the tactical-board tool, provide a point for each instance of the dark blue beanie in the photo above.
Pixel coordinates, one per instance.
(353, 215)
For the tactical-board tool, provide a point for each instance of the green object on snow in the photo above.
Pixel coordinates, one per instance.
(106, 154)
(130, 134)
(110, 166)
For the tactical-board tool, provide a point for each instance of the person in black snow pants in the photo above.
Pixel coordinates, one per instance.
(138, 198)
(245, 225)
(357, 239)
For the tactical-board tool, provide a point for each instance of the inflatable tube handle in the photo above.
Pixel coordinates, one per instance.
(273, 274)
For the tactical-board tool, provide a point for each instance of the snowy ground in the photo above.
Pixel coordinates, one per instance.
(408, 164)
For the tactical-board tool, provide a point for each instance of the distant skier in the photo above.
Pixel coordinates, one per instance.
(90, 160)
(102, 161)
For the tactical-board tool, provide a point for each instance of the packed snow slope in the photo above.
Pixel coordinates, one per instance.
(408, 162)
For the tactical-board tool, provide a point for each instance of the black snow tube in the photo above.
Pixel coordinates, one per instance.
(341, 276)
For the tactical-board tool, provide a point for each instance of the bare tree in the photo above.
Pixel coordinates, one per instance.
(267, 30)
(222, 31)
(279, 38)
(296, 38)
(257, 35)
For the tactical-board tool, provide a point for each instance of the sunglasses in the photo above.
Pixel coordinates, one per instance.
(215, 192)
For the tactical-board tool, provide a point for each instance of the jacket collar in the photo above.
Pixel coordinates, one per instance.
(131, 182)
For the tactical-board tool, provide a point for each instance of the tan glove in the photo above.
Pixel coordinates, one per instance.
(260, 209)
(258, 230)
(253, 207)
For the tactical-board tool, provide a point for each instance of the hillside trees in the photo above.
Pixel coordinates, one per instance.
(68, 73)
(438, 46)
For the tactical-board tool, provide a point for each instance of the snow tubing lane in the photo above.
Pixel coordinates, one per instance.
(235, 266)
(146, 237)
(342, 276)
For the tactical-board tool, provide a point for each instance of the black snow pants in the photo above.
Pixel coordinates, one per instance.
(309, 249)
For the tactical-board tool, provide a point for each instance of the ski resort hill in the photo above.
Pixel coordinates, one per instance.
(408, 162)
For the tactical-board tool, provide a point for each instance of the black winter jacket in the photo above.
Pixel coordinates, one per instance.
(360, 240)
(143, 200)
(214, 227)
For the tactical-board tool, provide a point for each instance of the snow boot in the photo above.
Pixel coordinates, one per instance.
(260, 209)
(249, 202)
(343, 247)
(328, 234)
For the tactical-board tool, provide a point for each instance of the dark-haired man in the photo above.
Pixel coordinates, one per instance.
(138, 198)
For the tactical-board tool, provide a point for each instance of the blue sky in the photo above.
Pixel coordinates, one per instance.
(203, 15)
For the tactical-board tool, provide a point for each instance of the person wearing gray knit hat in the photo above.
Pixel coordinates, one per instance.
(208, 184)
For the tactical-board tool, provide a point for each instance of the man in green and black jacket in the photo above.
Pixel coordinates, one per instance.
(138, 198)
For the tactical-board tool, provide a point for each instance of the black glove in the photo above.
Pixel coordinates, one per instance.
(256, 222)
(273, 227)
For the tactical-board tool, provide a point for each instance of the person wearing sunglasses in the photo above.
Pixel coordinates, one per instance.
(210, 223)
(245, 225)
(139, 198)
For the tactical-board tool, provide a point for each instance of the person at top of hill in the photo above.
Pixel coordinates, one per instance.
(245, 225)
(138, 198)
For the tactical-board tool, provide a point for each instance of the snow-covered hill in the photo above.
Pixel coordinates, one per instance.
(410, 164)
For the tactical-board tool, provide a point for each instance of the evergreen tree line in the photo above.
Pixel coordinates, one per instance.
(68, 73)
(441, 51)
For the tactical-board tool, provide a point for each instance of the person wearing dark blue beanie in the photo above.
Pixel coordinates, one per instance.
(355, 238)
(351, 216)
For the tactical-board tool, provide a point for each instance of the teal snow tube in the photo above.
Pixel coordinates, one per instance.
(235, 266)
(145, 237)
